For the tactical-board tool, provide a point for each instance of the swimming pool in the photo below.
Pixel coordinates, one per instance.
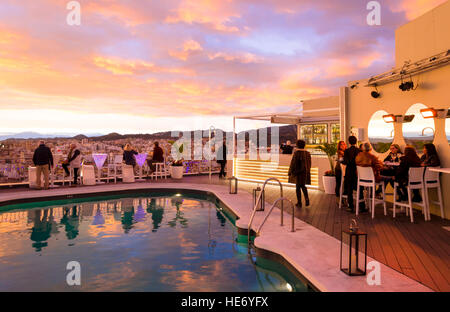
(134, 242)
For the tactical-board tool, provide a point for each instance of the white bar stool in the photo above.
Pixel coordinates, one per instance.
(415, 183)
(431, 180)
(366, 179)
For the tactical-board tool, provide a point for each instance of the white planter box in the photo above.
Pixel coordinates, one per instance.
(176, 172)
(329, 184)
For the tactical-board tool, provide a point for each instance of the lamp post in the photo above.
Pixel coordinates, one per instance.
(353, 251)
(233, 185)
(256, 194)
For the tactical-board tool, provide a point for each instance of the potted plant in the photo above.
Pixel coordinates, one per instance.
(177, 168)
(329, 178)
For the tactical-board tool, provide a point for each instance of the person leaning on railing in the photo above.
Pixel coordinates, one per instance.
(42, 159)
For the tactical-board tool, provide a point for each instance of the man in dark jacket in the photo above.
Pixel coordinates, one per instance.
(351, 173)
(42, 160)
(158, 157)
(221, 159)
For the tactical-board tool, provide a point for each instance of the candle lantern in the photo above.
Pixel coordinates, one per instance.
(233, 185)
(256, 193)
(353, 251)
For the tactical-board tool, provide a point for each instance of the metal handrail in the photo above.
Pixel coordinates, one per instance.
(259, 199)
(273, 206)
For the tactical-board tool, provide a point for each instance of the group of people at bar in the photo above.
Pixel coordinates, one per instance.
(394, 168)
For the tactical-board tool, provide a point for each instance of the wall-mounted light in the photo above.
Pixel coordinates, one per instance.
(354, 85)
(391, 118)
(434, 113)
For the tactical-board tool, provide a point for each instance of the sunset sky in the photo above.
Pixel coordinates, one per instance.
(136, 66)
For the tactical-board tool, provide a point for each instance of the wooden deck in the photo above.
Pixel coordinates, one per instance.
(420, 250)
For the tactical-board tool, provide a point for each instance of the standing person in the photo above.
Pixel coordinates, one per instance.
(128, 155)
(410, 160)
(158, 157)
(221, 159)
(430, 157)
(300, 172)
(337, 169)
(42, 160)
(74, 161)
(351, 174)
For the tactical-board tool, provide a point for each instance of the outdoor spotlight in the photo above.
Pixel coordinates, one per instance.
(375, 94)
(433, 113)
(406, 86)
(354, 85)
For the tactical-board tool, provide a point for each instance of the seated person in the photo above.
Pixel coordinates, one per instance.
(158, 157)
(393, 157)
(287, 148)
(410, 160)
(128, 155)
(430, 157)
(367, 159)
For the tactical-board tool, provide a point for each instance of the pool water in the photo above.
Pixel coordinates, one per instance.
(140, 242)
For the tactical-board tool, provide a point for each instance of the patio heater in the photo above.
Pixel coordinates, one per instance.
(99, 160)
(353, 251)
(140, 160)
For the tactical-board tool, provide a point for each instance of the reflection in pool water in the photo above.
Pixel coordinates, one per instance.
(132, 244)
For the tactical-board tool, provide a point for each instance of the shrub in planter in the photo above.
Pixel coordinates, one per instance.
(329, 178)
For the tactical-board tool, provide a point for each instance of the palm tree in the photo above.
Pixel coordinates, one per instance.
(330, 149)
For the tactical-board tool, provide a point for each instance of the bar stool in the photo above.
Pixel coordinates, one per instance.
(415, 183)
(431, 180)
(366, 179)
(341, 188)
(160, 171)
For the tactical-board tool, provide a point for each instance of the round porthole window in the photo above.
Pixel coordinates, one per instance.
(380, 133)
(420, 131)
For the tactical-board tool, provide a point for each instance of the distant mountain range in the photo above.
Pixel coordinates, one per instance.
(36, 135)
(286, 133)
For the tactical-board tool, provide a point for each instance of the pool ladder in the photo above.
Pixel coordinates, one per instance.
(281, 199)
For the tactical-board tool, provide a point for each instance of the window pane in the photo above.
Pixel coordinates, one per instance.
(335, 133)
(320, 134)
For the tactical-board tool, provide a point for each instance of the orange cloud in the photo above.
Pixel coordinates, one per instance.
(214, 13)
(189, 48)
(415, 8)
